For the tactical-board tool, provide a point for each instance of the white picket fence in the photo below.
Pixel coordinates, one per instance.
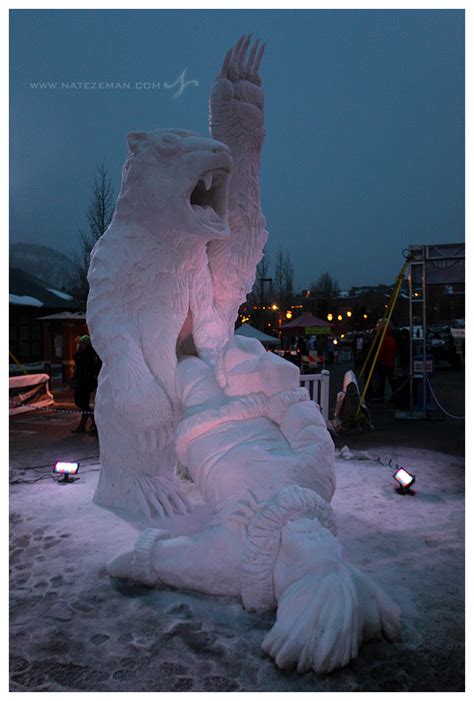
(318, 388)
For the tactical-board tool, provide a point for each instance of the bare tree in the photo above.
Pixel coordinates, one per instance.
(325, 287)
(323, 291)
(283, 280)
(99, 215)
(261, 278)
(257, 297)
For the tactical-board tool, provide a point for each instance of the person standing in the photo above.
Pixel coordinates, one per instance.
(402, 398)
(386, 357)
(84, 382)
(302, 346)
(358, 351)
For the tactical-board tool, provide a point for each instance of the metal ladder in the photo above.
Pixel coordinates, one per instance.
(418, 326)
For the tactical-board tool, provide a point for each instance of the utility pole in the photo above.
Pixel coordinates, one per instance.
(262, 298)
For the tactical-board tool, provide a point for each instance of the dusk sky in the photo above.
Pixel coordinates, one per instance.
(364, 149)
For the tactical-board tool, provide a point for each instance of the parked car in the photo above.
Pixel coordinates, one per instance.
(440, 344)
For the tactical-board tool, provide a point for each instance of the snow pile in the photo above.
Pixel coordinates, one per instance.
(29, 392)
(346, 454)
(70, 631)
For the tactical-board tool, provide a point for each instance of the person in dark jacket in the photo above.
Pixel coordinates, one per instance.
(84, 382)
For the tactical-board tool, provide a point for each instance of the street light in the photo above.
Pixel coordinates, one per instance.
(349, 314)
(330, 317)
(339, 317)
(275, 307)
(365, 316)
(289, 314)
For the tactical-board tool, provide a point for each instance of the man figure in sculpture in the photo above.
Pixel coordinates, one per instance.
(259, 452)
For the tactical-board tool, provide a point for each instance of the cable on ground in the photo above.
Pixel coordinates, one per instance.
(451, 416)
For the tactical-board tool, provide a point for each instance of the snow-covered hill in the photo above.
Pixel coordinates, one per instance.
(48, 264)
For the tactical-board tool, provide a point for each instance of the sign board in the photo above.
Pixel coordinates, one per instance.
(317, 330)
(442, 272)
(444, 263)
(418, 365)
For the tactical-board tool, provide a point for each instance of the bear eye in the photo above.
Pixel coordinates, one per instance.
(169, 145)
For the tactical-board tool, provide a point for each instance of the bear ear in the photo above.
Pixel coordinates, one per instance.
(134, 139)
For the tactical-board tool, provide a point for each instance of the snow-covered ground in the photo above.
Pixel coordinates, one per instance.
(71, 631)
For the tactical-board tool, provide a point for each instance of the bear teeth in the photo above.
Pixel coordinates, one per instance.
(207, 179)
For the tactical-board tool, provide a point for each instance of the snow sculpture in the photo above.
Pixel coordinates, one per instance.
(167, 279)
(259, 452)
(178, 391)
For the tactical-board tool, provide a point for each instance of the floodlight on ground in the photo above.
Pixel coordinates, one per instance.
(404, 480)
(65, 471)
(402, 477)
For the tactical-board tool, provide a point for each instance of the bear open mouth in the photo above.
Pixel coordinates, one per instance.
(209, 198)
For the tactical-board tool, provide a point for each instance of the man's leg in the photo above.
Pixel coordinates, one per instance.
(82, 402)
(208, 561)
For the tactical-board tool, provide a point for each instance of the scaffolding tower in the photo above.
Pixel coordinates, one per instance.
(439, 264)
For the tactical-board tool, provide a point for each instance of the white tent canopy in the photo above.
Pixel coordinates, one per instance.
(251, 332)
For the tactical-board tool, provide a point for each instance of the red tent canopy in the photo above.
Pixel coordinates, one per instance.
(301, 322)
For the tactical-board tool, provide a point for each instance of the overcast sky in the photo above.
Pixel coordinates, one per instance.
(364, 150)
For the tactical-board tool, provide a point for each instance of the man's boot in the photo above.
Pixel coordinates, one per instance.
(82, 425)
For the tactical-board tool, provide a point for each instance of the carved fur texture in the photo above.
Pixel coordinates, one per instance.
(167, 278)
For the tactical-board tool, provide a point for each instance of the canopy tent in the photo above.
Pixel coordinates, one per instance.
(307, 324)
(251, 332)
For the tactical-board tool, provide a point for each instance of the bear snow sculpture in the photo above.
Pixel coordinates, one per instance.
(168, 276)
(178, 391)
